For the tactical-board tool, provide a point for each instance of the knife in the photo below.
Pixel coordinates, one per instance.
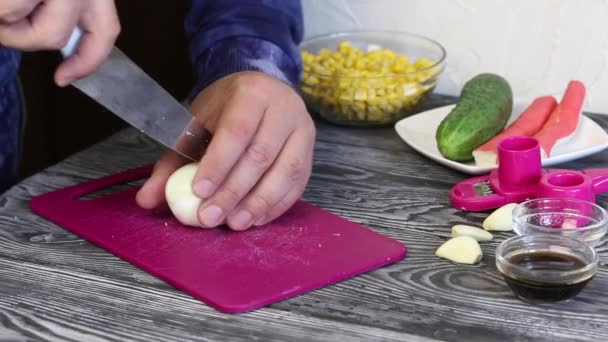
(127, 91)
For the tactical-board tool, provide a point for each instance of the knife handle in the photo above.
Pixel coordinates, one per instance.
(73, 43)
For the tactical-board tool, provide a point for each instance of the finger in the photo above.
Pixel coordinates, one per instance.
(42, 30)
(239, 122)
(152, 193)
(16, 10)
(258, 157)
(100, 27)
(291, 197)
(264, 203)
(282, 184)
(281, 207)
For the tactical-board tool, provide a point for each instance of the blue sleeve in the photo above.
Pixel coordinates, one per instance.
(228, 36)
(11, 118)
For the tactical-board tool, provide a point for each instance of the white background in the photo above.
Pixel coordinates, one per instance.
(538, 45)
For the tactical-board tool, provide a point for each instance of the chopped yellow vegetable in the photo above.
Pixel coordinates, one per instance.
(376, 85)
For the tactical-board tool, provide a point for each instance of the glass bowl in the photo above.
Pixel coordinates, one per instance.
(582, 220)
(369, 78)
(546, 268)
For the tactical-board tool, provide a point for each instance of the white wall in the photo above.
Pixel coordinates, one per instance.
(538, 45)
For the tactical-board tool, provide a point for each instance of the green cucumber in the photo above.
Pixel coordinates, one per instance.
(484, 107)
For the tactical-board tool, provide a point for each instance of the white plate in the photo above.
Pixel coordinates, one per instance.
(418, 131)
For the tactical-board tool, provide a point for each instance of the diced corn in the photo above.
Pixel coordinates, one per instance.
(360, 94)
(360, 64)
(318, 69)
(343, 83)
(324, 53)
(311, 80)
(371, 94)
(307, 90)
(422, 63)
(376, 85)
(344, 47)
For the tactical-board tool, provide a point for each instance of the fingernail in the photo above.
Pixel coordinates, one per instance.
(203, 188)
(242, 220)
(260, 221)
(211, 216)
(63, 82)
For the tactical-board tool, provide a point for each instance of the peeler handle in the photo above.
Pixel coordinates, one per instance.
(599, 179)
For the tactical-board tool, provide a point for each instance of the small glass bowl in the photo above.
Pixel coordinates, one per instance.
(582, 220)
(350, 95)
(545, 269)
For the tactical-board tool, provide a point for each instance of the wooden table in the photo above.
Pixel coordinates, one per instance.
(54, 286)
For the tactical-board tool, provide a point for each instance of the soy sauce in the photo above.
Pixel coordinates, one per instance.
(537, 291)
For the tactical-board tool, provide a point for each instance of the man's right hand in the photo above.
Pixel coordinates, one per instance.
(47, 25)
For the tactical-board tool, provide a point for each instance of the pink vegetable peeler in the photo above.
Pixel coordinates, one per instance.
(520, 177)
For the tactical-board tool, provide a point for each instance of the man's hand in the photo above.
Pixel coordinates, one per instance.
(47, 25)
(259, 160)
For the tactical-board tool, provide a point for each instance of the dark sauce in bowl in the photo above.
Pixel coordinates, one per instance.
(539, 291)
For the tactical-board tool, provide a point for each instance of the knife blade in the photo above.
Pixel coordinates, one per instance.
(127, 91)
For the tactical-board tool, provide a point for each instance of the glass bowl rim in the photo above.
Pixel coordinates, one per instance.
(322, 37)
(502, 260)
(603, 222)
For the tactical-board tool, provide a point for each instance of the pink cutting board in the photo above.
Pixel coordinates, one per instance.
(305, 249)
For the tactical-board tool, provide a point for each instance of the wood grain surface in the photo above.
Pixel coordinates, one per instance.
(54, 286)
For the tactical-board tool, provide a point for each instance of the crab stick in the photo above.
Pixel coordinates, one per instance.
(563, 121)
(528, 123)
